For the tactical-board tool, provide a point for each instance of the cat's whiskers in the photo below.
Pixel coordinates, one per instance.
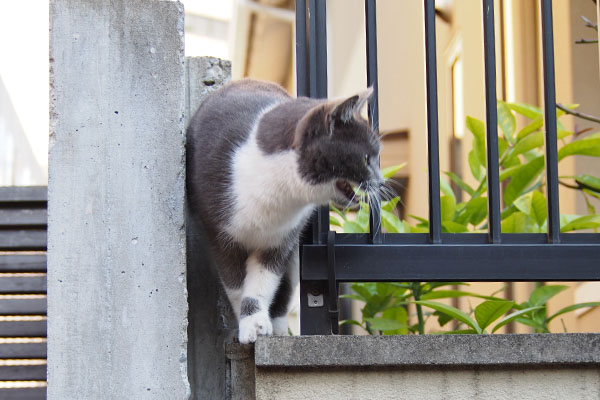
(351, 201)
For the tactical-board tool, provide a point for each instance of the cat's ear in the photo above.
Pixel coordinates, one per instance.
(351, 107)
(343, 112)
(363, 98)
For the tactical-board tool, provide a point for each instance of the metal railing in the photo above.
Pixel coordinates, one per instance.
(328, 258)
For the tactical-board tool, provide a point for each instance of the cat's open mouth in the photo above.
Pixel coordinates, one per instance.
(345, 188)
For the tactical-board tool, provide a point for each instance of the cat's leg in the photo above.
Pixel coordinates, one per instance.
(264, 270)
(235, 299)
(231, 261)
(281, 304)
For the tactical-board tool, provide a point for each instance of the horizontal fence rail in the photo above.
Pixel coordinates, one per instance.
(331, 258)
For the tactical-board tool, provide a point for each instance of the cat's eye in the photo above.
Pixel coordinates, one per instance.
(367, 160)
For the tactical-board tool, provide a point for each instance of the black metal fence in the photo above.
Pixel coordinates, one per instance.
(328, 258)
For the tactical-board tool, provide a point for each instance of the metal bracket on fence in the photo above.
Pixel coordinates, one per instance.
(333, 292)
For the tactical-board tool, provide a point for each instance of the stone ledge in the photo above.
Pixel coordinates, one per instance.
(515, 350)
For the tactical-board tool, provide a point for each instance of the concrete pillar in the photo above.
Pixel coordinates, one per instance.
(117, 301)
(211, 322)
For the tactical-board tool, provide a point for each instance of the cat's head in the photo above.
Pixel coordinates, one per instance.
(338, 150)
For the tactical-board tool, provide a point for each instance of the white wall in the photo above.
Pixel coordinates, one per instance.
(24, 97)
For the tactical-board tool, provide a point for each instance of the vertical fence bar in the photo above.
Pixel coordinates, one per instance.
(321, 81)
(302, 83)
(318, 88)
(491, 112)
(321, 48)
(433, 148)
(550, 123)
(372, 81)
(312, 48)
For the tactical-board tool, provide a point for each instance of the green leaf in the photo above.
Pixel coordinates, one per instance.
(334, 221)
(351, 322)
(530, 128)
(337, 211)
(477, 169)
(534, 141)
(362, 291)
(519, 222)
(539, 327)
(389, 172)
(384, 288)
(376, 304)
(591, 182)
(591, 193)
(513, 316)
(460, 183)
(573, 307)
(447, 189)
(477, 128)
(353, 227)
(522, 178)
(585, 147)
(362, 216)
(474, 212)
(568, 218)
(542, 294)
(585, 222)
(454, 227)
(490, 310)
(390, 205)
(391, 223)
(539, 208)
(526, 110)
(384, 324)
(508, 172)
(523, 204)
(506, 121)
(443, 318)
(448, 207)
(397, 314)
(452, 311)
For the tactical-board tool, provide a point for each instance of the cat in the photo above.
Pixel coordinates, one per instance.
(258, 163)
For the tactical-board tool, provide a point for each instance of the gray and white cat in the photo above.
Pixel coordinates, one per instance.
(259, 162)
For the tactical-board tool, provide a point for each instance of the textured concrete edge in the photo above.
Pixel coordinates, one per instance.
(183, 363)
(531, 351)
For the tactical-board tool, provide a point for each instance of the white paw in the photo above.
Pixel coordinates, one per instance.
(253, 325)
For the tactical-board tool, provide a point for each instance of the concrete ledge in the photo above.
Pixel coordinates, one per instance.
(429, 351)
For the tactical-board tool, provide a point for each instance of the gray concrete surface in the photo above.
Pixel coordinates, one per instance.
(242, 378)
(447, 384)
(445, 367)
(117, 302)
(579, 349)
(211, 321)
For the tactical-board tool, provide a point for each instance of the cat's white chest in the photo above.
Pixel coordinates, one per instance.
(270, 199)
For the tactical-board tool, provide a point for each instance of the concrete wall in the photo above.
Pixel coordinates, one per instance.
(211, 322)
(116, 234)
(424, 384)
(448, 367)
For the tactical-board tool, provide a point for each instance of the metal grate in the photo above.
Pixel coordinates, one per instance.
(328, 258)
(23, 225)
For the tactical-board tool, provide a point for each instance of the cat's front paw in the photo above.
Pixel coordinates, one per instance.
(254, 325)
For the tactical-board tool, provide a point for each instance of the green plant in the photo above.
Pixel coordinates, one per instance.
(521, 160)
